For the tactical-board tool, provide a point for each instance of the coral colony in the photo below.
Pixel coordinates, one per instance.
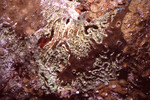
(75, 50)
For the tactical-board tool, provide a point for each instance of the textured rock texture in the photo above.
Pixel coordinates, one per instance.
(74, 49)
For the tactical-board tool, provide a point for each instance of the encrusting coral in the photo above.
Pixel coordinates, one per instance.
(75, 49)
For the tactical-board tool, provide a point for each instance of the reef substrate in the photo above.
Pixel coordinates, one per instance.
(75, 49)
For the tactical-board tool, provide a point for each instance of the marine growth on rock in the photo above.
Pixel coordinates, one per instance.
(75, 49)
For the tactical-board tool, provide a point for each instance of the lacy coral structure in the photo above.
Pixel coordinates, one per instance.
(74, 49)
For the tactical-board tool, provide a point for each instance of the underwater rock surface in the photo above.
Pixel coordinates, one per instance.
(75, 49)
